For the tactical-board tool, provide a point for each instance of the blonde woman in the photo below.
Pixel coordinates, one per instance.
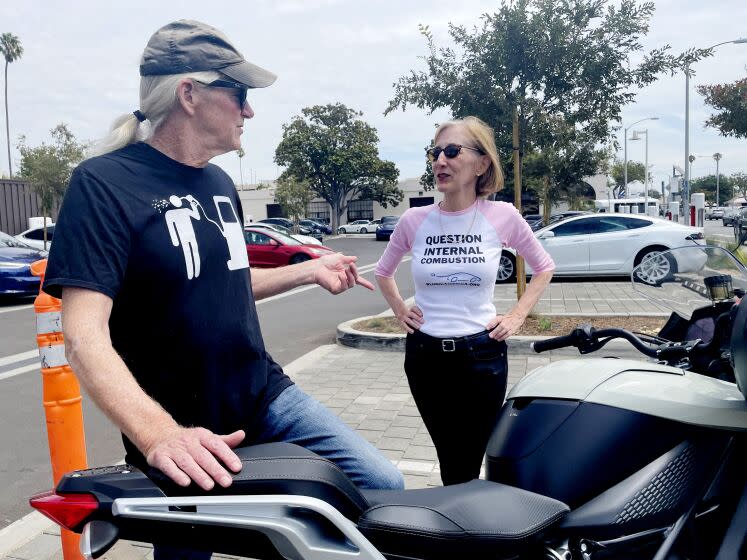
(455, 357)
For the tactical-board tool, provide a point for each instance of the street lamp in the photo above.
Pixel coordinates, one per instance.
(717, 156)
(637, 136)
(625, 164)
(686, 185)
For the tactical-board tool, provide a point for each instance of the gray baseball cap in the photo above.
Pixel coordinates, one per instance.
(191, 46)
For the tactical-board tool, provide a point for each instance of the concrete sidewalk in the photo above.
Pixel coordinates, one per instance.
(369, 391)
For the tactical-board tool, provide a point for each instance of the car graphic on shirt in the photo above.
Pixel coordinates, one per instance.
(458, 277)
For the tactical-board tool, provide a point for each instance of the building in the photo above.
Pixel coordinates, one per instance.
(258, 202)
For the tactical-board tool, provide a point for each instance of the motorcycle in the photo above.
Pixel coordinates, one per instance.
(590, 459)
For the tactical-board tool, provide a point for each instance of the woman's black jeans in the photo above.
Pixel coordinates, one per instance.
(458, 385)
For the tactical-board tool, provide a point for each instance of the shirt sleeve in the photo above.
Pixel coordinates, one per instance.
(92, 238)
(519, 235)
(400, 243)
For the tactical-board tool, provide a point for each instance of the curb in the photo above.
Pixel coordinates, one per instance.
(385, 342)
(23, 531)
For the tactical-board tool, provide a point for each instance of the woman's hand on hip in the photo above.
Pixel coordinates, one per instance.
(503, 326)
(411, 319)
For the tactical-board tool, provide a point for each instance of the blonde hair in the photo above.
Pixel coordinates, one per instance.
(157, 99)
(483, 138)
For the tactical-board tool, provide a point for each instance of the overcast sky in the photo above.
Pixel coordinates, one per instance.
(80, 66)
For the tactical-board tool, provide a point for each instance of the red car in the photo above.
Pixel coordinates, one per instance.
(268, 249)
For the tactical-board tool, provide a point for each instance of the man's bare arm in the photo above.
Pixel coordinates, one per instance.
(335, 273)
(181, 453)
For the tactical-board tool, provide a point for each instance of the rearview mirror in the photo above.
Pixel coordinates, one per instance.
(546, 235)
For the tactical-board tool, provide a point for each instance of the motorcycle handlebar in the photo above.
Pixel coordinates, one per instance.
(553, 343)
(588, 340)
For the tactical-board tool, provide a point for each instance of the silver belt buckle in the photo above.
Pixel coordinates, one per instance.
(448, 345)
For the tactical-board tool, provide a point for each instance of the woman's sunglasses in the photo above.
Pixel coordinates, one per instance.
(240, 89)
(450, 151)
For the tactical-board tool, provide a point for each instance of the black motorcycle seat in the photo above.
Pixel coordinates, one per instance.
(477, 519)
(281, 468)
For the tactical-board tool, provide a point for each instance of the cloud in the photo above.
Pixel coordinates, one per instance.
(81, 58)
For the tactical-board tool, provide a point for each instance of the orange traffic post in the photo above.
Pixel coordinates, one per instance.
(61, 398)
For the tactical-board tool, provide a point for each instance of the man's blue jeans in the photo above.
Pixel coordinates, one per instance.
(295, 417)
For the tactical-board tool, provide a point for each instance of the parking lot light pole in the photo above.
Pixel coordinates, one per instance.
(637, 136)
(625, 151)
(717, 156)
(686, 182)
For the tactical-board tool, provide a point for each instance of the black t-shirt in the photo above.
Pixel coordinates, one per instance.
(165, 241)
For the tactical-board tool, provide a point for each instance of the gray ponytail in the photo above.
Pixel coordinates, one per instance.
(157, 99)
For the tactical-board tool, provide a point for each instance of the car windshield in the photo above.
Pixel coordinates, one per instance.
(702, 275)
(8, 241)
(283, 238)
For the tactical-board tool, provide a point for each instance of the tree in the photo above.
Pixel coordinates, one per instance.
(730, 102)
(336, 153)
(11, 49)
(707, 185)
(568, 59)
(636, 172)
(293, 196)
(48, 167)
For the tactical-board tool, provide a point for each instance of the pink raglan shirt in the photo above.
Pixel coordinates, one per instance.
(455, 257)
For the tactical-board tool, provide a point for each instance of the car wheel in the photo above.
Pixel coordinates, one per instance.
(655, 267)
(506, 269)
(342, 230)
(364, 230)
(299, 258)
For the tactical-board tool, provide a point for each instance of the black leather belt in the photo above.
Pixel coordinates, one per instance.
(456, 344)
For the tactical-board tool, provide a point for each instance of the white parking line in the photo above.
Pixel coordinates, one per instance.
(18, 357)
(16, 308)
(19, 371)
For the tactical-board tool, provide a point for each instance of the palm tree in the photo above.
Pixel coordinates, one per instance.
(241, 153)
(11, 49)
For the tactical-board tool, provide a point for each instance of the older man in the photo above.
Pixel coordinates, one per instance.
(149, 258)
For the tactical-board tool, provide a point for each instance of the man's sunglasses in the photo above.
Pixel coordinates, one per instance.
(450, 151)
(240, 89)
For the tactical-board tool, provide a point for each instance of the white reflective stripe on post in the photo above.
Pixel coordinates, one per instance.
(48, 322)
(52, 355)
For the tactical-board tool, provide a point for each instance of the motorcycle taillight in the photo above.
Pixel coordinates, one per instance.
(67, 510)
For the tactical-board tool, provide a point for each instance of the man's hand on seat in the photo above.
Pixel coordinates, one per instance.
(195, 454)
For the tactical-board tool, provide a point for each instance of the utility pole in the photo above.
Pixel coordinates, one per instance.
(717, 156)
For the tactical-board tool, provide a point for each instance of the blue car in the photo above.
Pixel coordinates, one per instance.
(385, 229)
(15, 267)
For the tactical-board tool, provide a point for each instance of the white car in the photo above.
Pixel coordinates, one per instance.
(607, 245)
(305, 239)
(35, 236)
(358, 226)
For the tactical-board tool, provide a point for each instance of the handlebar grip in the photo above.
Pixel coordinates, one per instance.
(553, 343)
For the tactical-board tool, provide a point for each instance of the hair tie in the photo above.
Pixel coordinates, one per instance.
(139, 116)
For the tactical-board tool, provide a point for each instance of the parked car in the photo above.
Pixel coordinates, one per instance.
(607, 245)
(15, 267)
(35, 236)
(714, 213)
(384, 231)
(740, 224)
(730, 213)
(534, 220)
(285, 222)
(315, 226)
(268, 248)
(358, 226)
(315, 239)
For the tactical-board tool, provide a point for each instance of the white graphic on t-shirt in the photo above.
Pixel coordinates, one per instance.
(233, 231)
(182, 232)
